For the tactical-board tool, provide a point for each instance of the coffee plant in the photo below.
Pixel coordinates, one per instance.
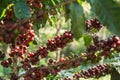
(59, 39)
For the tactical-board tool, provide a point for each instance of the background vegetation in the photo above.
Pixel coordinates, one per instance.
(51, 18)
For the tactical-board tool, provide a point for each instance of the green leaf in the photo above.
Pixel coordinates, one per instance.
(80, 1)
(22, 10)
(3, 6)
(20, 0)
(33, 43)
(1, 70)
(74, 11)
(7, 71)
(108, 11)
(87, 40)
(115, 75)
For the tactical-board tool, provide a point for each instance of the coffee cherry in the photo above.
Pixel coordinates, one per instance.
(6, 63)
(118, 43)
(116, 38)
(26, 66)
(62, 59)
(14, 76)
(43, 52)
(50, 61)
(40, 5)
(35, 3)
(2, 55)
(30, 55)
(93, 24)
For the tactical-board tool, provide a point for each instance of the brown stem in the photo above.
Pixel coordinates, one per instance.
(58, 27)
(59, 64)
(57, 55)
(15, 66)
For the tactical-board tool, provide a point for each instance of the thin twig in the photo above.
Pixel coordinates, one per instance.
(15, 66)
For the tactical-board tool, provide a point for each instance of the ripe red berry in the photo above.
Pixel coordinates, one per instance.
(21, 28)
(62, 59)
(40, 5)
(116, 38)
(118, 43)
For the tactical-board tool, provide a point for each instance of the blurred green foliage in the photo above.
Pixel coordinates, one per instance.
(57, 24)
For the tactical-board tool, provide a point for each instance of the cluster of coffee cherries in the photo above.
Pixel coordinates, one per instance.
(14, 76)
(33, 57)
(35, 3)
(6, 63)
(7, 27)
(7, 31)
(93, 24)
(103, 47)
(38, 73)
(52, 68)
(24, 38)
(94, 72)
(25, 64)
(59, 41)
